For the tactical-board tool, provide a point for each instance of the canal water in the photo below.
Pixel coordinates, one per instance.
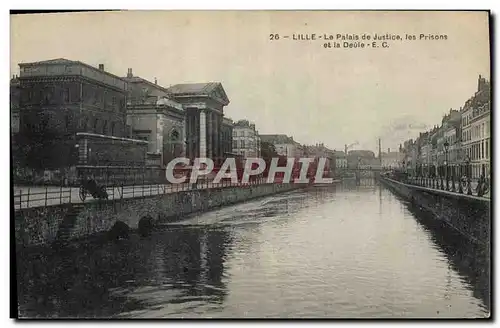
(342, 252)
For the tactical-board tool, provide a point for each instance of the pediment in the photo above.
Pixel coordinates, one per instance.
(220, 95)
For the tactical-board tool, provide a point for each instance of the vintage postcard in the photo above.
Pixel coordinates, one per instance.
(251, 164)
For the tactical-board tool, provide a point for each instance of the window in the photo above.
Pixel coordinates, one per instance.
(482, 149)
(105, 128)
(113, 128)
(66, 94)
(85, 124)
(486, 149)
(235, 144)
(96, 121)
(174, 136)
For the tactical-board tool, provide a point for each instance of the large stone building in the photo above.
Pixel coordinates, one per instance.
(246, 139)
(392, 159)
(15, 95)
(155, 118)
(361, 159)
(466, 133)
(476, 130)
(61, 97)
(340, 159)
(204, 107)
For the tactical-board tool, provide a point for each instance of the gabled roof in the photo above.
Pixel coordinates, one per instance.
(210, 89)
(193, 88)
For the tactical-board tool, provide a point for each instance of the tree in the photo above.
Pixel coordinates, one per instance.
(267, 151)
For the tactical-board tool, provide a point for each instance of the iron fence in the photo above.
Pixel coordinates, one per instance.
(37, 196)
(464, 185)
(30, 197)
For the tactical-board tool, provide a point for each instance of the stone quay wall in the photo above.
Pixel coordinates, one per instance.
(469, 215)
(45, 225)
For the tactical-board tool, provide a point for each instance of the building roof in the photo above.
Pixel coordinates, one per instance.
(212, 89)
(193, 88)
(59, 61)
(277, 139)
(361, 153)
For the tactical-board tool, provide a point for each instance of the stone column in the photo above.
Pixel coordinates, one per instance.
(184, 137)
(218, 138)
(203, 134)
(159, 134)
(210, 123)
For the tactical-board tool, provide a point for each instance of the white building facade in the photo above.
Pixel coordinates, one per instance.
(476, 131)
(246, 139)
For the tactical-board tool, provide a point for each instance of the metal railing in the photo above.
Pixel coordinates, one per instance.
(467, 186)
(30, 197)
(47, 196)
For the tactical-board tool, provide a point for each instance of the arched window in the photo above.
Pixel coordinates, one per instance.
(174, 135)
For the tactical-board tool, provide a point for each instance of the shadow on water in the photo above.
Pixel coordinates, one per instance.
(470, 260)
(111, 278)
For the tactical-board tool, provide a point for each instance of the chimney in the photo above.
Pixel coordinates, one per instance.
(101, 67)
(156, 81)
(388, 150)
(129, 73)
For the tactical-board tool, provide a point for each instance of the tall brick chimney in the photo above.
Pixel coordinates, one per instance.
(129, 73)
(101, 67)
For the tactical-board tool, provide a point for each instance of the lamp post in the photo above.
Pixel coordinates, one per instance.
(446, 146)
(467, 167)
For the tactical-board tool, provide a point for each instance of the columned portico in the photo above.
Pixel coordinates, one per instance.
(204, 104)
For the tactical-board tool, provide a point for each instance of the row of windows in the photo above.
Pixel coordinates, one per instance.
(451, 140)
(476, 132)
(243, 133)
(478, 151)
(57, 95)
(466, 120)
(46, 96)
(99, 127)
(245, 144)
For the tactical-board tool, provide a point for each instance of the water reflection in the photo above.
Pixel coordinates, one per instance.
(470, 260)
(174, 266)
(347, 251)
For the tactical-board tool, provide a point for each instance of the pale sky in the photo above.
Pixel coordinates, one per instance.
(298, 88)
